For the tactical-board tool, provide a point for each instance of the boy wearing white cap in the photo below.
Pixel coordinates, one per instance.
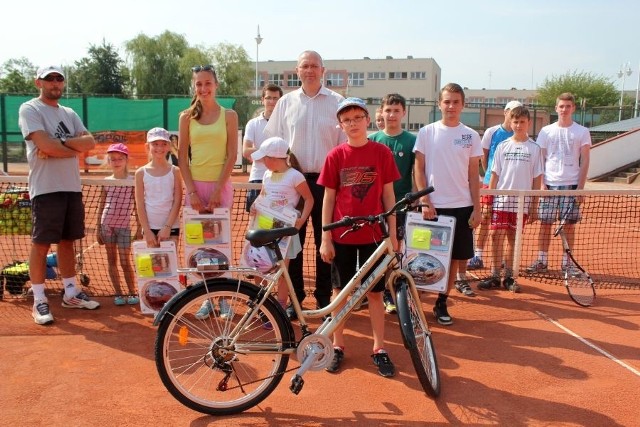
(490, 140)
(358, 179)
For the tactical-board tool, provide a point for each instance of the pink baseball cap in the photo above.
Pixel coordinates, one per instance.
(118, 148)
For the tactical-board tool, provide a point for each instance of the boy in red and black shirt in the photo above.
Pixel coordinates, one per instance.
(358, 178)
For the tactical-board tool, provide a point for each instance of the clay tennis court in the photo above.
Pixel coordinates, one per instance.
(509, 359)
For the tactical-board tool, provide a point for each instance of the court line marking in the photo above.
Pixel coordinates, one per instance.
(593, 346)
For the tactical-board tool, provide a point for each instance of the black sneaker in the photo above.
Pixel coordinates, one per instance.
(463, 287)
(492, 282)
(338, 356)
(441, 313)
(510, 284)
(389, 305)
(291, 313)
(384, 364)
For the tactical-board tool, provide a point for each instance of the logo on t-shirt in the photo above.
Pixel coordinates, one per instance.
(464, 141)
(359, 178)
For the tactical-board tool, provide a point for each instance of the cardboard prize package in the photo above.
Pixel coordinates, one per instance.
(156, 274)
(207, 239)
(267, 218)
(428, 245)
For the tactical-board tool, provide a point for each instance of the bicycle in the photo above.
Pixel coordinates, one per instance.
(226, 364)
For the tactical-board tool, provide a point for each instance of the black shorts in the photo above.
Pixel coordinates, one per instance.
(174, 232)
(57, 216)
(463, 236)
(252, 194)
(343, 267)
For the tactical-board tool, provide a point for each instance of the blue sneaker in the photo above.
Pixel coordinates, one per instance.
(204, 311)
(475, 263)
(119, 300)
(226, 312)
(133, 300)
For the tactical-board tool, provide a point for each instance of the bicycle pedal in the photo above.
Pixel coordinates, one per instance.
(296, 384)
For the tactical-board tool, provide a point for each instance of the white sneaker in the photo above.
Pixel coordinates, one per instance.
(81, 300)
(41, 313)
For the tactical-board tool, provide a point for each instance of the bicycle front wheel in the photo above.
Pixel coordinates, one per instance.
(417, 338)
(211, 358)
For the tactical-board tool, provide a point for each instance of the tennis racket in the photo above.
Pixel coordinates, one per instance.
(577, 281)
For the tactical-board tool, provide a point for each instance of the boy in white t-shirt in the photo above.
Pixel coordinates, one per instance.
(517, 165)
(565, 150)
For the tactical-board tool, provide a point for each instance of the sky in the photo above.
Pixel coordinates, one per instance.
(478, 44)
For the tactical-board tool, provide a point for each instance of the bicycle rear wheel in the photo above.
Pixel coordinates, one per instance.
(212, 365)
(417, 338)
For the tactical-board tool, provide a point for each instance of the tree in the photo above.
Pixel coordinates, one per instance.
(16, 76)
(158, 64)
(233, 69)
(100, 73)
(595, 90)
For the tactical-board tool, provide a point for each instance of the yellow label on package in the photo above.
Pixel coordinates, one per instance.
(194, 233)
(421, 238)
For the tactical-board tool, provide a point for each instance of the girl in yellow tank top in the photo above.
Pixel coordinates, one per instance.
(211, 133)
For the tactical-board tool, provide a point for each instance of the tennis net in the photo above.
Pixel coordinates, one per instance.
(606, 237)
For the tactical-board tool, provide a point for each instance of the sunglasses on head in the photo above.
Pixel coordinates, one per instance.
(199, 68)
(50, 78)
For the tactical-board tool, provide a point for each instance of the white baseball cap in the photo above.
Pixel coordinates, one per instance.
(512, 104)
(272, 147)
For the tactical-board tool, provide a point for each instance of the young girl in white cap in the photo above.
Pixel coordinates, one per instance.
(158, 187)
(282, 187)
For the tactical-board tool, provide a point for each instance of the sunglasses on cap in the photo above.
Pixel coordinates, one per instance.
(199, 68)
(50, 78)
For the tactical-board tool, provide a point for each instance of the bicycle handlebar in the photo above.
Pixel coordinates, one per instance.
(349, 221)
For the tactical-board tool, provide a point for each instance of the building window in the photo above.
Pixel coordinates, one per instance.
(416, 101)
(293, 81)
(276, 79)
(415, 126)
(418, 75)
(356, 79)
(334, 80)
(475, 101)
(397, 75)
(376, 75)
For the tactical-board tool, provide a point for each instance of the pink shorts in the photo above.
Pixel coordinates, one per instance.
(503, 220)
(205, 190)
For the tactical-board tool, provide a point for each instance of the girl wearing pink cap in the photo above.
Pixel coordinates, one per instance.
(114, 224)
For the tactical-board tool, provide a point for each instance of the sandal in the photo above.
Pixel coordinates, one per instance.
(463, 287)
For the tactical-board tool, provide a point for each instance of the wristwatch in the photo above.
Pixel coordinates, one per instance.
(63, 140)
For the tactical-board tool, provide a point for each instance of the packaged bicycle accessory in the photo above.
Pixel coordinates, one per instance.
(156, 274)
(267, 217)
(208, 240)
(428, 246)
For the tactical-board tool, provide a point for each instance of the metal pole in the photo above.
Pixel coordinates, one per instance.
(635, 108)
(623, 73)
(258, 41)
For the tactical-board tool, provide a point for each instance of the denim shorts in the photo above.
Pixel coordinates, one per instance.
(553, 208)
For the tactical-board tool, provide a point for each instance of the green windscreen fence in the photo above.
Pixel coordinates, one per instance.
(101, 114)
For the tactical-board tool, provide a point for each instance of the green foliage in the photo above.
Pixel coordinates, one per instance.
(17, 75)
(158, 64)
(100, 73)
(233, 69)
(595, 90)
